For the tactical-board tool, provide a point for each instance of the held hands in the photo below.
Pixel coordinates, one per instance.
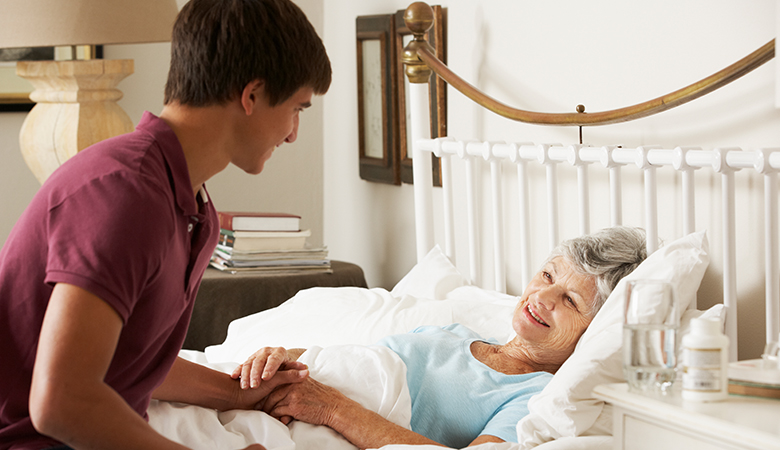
(303, 399)
(263, 365)
(263, 372)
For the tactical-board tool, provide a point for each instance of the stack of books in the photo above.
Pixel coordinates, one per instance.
(755, 377)
(266, 242)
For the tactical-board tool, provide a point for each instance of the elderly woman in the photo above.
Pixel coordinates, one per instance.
(466, 390)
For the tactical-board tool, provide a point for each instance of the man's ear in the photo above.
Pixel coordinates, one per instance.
(253, 93)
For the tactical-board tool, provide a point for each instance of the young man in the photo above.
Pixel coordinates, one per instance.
(98, 277)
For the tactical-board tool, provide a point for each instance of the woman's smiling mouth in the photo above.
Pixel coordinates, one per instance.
(535, 317)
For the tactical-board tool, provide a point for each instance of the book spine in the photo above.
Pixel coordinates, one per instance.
(225, 221)
(226, 240)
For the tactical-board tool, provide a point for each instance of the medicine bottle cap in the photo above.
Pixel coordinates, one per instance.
(705, 326)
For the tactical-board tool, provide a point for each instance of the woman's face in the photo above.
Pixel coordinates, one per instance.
(555, 309)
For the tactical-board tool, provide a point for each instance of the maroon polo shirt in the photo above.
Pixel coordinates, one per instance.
(120, 220)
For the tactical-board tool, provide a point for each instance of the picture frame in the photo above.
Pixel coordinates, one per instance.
(14, 90)
(376, 83)
(437, 88)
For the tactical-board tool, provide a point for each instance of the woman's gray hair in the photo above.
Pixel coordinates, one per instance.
(607, 255)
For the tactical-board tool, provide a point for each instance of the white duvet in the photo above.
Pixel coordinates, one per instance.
(339, 326)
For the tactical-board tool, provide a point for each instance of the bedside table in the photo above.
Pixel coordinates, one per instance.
(664, 423)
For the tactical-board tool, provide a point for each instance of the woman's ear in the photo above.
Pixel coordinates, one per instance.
(253, 93)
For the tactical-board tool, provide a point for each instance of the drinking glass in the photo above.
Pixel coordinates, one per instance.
(650, 336)
(771, 355)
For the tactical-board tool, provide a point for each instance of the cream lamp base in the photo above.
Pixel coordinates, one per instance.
(76, 107)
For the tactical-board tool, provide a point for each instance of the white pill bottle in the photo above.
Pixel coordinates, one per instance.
(705, 362)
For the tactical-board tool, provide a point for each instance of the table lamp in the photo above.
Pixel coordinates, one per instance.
(76, 99)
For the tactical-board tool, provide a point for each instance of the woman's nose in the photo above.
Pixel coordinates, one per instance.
(547, 297)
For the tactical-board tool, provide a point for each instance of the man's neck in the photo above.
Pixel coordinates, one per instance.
(204, 135)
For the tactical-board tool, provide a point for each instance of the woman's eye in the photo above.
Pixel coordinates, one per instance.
(547, 276)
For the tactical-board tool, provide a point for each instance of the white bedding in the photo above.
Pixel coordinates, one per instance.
(373, 376)
(339, 325)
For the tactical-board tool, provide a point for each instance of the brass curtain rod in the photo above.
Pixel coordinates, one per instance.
(419, 54)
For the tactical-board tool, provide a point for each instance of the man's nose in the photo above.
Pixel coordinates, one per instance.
(294, 134)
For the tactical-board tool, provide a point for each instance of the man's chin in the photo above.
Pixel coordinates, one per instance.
(253, 170)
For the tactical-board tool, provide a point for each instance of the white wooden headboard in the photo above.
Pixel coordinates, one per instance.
(697, 182)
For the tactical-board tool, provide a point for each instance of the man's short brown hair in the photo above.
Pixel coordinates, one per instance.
(220, 46)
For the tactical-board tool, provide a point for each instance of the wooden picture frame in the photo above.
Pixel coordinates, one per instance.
(437, 88)
(14, 90)
(377, 99)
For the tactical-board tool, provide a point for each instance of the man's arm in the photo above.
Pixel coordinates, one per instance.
(69, 401)
(192, 383)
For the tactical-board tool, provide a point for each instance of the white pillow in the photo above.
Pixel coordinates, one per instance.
(566, 407)
(433, 278)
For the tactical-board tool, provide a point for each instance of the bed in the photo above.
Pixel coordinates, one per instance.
(339, 325)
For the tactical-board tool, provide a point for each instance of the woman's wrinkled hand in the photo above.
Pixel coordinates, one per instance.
(309, 401)
(254, 398)
(263, 365)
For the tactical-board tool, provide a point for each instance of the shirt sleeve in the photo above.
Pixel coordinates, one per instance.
(503, 424)
(106, 238)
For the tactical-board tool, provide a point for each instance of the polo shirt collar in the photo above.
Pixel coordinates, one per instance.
(177, 164)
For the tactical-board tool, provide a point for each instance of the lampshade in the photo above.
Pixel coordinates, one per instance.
(50, 23)
(76, 100)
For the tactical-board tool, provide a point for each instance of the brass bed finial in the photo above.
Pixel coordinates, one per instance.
(418, 17)
(419, 56)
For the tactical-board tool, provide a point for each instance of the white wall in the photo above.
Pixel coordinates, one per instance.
(551, 56)
(291, 181)
(547, 56)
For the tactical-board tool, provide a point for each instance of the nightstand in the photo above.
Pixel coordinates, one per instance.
(667, 422)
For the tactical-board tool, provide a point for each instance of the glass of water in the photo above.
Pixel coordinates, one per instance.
(771, 355)
(650, 336)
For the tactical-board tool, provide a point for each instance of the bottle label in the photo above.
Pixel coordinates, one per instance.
(702, 358)
(701, 370)
(701, 380)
